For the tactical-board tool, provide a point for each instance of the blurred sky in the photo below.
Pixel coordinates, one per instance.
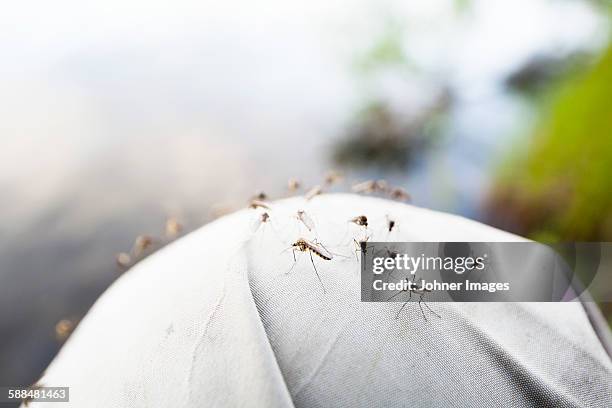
(170, 91)
(116, 114)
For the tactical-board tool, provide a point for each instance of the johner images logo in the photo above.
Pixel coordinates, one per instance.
(483, 271)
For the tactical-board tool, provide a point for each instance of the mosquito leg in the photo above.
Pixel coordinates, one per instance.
(394, 295)
(388, 276)
(367, 234)
(359, 249)
(431, 310)
(271, 222)
(294, 262)
(316, 272)
(421, 307)
(317, 242)
(400, 311)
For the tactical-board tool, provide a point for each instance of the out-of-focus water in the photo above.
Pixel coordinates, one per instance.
(116, 115)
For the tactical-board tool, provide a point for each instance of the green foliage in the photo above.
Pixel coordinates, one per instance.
(563, 185)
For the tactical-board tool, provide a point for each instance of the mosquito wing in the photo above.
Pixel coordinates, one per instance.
(306, 220)
(321, 250)
(257, 221)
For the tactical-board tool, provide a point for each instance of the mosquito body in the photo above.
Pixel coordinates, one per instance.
(390, 223)
(260, 195)
(258, 204)
(123, 260)
(141, 244)
(317, 249)
(370, 186)
(63, 329)
(303, 245)
(293, 184)
(173, 228)
(313, 192)
(333, 177)
(399, 194)
(360, 220)
(261, 219)
(361, 247)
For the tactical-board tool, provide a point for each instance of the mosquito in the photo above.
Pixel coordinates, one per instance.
(389, 253)
(315, 191)
(259, 227)
(305, 219)
(260, 195)
(63, 329)
(412, 288)
(333, 177)
(370, 186)
(123, 260)
(390, 223)
(258, 204)
(361, 246)
(316, 248)
(141, 244)
(173, 228)
(360, 220)
(399, 194)
(293, 184)
(262, 219)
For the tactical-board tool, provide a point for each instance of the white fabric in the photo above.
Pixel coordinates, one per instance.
(215, 319)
